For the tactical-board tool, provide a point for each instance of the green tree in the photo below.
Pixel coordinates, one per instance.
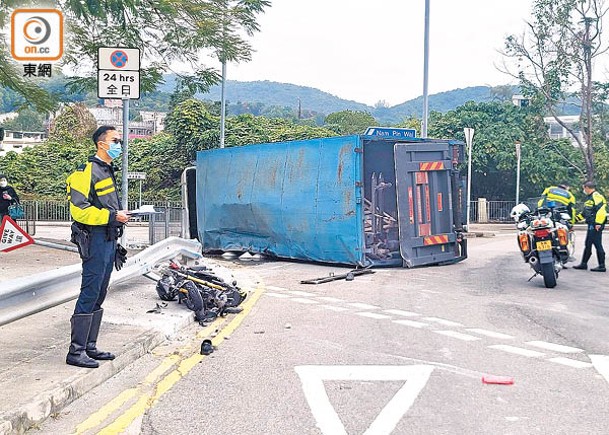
(74, 124)
(555, 60)
(27, 120)
(166, 31)
(349, 122)
(498, 126)
(193, 126)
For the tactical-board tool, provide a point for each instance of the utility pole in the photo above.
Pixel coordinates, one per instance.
(223, 104)
(425, 73)
(517, 172)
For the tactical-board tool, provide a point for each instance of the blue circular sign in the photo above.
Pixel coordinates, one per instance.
(119, 58)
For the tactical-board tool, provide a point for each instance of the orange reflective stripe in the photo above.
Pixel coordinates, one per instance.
(435, 240)
(431, 166)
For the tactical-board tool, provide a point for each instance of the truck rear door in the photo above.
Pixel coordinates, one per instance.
(425, 204)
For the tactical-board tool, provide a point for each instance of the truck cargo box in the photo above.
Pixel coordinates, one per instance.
(356, 200)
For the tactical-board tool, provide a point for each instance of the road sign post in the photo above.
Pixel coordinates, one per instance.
(141, 176)
(469, 139)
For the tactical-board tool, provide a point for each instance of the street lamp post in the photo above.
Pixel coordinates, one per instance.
(517, 172)
(425, 73)
(469, 138)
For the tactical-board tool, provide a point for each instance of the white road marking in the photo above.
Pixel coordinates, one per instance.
(329, 299)
(411, 323)
(273, 287)
(601, 364)
(328, 421)
(277, 295)
(333, 308)
(402, 313)
(458, 335)
(442, 321)
(373, 315)
(304, 301)
(571, 362)
(517, 350)
(299, 293)
(554, 347)
(363, 306)
(491, 334)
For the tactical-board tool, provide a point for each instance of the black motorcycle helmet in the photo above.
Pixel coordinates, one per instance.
(166, 288)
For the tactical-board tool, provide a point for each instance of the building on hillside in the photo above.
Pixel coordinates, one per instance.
(8, 116)
(17, 141)
(111, 113)
(557, 131)
(520, 101)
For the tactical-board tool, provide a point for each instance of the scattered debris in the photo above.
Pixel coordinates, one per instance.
(158, 308)
(498, 380)
(206, 347)
(349, 276)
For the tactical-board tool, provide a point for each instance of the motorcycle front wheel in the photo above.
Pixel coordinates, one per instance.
(549, 275)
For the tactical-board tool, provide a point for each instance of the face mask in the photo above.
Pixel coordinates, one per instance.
(115, 150)
(3, 183)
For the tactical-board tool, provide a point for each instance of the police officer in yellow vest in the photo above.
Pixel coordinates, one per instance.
(595, 214)
(98, 223)
(560, 196)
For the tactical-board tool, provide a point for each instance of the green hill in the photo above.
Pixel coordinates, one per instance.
(288, 95)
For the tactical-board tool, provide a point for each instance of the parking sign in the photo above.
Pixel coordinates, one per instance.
(118, 73)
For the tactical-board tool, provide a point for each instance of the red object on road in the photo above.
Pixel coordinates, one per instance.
(500, 380)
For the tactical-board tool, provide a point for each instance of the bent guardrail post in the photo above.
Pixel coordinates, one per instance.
(28, 295)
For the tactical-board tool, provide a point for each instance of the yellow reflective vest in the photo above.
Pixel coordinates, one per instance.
(92, 193)
(595, 211)
(562, 197)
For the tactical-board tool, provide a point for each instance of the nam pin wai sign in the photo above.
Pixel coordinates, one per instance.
(389, 132)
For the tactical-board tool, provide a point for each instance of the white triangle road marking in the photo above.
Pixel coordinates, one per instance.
(601, 364)
(328, 421)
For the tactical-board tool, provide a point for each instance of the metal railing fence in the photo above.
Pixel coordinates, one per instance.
(59, 211)
(167, 223)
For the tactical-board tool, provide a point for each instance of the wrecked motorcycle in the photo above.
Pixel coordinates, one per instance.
(203, 292)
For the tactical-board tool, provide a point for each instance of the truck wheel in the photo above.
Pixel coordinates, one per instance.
(549, 275)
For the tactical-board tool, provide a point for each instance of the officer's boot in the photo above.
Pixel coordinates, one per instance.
(77, 356)
(92, 350)
(581, 266)
(601, 263)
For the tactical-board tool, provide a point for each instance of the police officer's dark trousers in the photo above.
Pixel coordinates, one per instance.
(594, 238)
(86, 321)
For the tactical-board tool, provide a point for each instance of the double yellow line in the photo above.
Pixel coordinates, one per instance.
(160, 387)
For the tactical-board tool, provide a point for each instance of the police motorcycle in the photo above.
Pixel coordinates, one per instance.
(543, 239)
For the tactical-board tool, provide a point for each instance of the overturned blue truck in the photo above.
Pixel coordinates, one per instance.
(354, 200)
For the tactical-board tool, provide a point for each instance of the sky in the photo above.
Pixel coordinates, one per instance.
(372, 50)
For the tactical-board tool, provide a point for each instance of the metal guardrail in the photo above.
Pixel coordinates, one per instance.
(25, 296)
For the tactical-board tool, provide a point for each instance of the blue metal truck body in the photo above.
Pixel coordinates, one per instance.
(311, 200)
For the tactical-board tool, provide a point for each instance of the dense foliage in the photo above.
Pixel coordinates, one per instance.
(498, 126)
